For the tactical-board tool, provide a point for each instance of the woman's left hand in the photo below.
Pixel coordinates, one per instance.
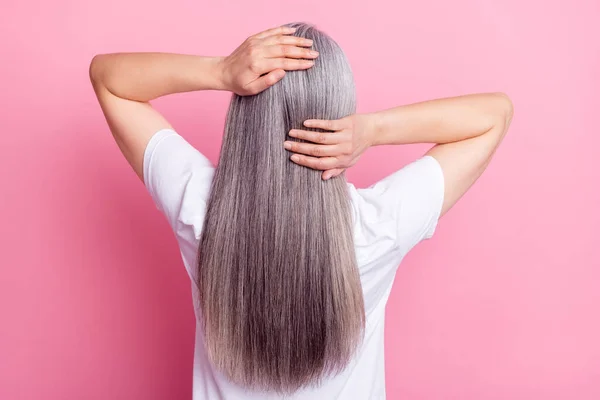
(262, 59)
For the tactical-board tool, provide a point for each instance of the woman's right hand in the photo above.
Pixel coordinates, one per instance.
(334, 151)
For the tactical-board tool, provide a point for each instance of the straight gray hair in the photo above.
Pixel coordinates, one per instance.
(279, 288)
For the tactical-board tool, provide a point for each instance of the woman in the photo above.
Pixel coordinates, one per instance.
(292, 265)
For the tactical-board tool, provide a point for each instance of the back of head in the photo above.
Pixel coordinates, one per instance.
(280, 292)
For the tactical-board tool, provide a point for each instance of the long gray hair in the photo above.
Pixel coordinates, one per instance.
(280, 293)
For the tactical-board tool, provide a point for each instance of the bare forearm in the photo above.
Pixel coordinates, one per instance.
(441, 120)
(146, 76)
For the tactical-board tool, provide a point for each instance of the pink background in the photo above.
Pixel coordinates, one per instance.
(503, 302)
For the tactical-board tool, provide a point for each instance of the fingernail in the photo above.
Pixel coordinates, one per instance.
(326, 177)
(313, 53)
(308, 42)
(287, 145)
(292, 133)
(309, 62)
(295, 158)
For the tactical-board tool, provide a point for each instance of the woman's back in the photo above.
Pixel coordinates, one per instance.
(388, 219)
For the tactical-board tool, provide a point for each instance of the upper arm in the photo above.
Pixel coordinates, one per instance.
(131, 122)
(464, 161)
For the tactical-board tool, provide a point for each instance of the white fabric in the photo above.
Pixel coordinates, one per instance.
(390, 218)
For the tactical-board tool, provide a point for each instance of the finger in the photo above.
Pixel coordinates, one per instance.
(265, 81)
(311, 149)
(280, 30)
(316, 137)
(321, 163)
(332, 173)
(326, 124)
(288, 64)
(278, 51)
(289, 40)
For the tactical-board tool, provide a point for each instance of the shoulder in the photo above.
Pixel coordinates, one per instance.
(403, 208)
(178, 178)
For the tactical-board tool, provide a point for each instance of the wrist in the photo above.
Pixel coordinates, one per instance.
(372, 123)
(212, 76)
(218, 73)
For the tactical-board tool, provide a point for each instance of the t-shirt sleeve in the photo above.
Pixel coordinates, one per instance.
(406, 205)
(178, 178)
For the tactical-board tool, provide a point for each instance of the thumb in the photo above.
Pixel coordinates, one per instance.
(265, 81)
(330, 173)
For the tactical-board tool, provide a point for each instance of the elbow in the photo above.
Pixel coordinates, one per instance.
(506, 108)
(505, 111)
(95, 69)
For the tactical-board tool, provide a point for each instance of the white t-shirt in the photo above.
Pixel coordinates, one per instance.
(390, 217)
